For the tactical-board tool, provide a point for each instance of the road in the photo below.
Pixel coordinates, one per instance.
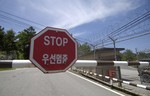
(32, 82)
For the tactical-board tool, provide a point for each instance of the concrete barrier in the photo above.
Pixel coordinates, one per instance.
(21, 63)
(5, 63)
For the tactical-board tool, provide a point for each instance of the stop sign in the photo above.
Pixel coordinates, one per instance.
(53, 50)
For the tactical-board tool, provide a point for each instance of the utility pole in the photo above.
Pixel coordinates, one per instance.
(93, 49)
(136, 54)
(94, 52)
(114, 43)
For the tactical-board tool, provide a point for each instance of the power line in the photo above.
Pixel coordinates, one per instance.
(137, 36)
(132, 23)
(129, 25)
(105, 41)
(8, 22)
(16, 21)
(22, 18)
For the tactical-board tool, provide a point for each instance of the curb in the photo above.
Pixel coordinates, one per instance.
(107, 84)
(115, 79)
(112, 87)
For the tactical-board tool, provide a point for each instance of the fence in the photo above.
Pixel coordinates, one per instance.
(108, 77)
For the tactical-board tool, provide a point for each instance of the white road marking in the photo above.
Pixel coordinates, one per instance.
(126, 82)
(97, 84)
(142, 86)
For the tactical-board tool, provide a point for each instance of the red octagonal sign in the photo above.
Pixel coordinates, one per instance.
(53, 50)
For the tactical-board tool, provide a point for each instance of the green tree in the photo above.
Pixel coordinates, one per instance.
(23, 42)
(128, 55)
(84, 49)
(2, 33)
(9, 42)
(143, 55)
(119, 56)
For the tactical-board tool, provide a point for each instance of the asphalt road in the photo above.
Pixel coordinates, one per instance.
(32, 82)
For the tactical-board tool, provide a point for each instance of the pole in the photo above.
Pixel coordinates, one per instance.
(114, 43)
(136, 54)
(115, 50)
(94, 52)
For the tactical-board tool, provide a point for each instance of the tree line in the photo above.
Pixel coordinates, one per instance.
(127, 55)
(15, 45)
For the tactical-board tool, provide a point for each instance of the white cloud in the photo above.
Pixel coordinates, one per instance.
(78, 34)
(72, 13)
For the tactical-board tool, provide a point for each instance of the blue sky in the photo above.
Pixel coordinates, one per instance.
(87, 20)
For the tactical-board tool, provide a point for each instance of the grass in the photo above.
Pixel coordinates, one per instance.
(6, 69)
